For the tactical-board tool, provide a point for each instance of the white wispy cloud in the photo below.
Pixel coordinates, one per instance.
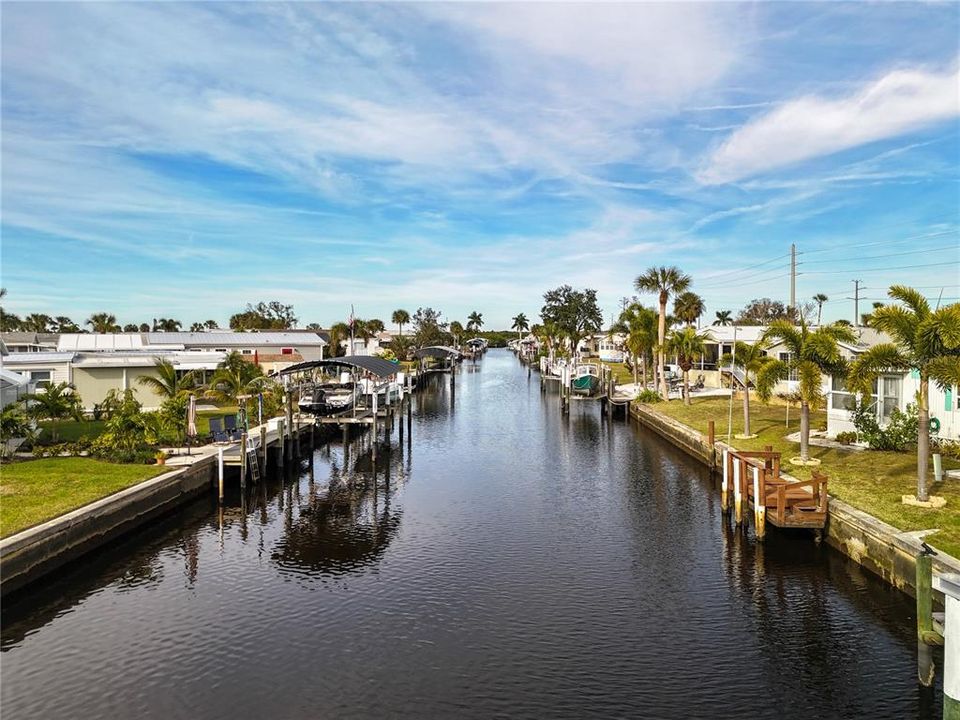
(808, 127)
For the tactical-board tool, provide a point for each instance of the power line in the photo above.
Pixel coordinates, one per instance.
(748, 267)
(901, 267)
(877, 257)
(941, 233)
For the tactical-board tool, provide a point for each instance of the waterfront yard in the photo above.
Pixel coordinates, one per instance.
(73, 430)
(33, 491)
(870, 480)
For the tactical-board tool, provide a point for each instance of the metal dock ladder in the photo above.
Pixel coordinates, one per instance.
(253, 462)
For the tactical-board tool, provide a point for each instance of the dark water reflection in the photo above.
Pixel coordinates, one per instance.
(502, 561)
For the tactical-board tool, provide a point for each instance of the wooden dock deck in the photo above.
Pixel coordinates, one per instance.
(785, 502)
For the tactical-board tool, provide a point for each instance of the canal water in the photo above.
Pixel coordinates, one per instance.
(503, 561)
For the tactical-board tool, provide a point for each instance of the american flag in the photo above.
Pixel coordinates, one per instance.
(350, 321)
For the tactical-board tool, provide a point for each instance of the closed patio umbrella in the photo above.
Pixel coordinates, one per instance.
(192, 419)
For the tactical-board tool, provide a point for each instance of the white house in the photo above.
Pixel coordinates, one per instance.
(893, 390)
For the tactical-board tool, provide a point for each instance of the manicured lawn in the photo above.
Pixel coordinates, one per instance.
(33, 491)
(70, 430)
(621, 374)
(870, 480)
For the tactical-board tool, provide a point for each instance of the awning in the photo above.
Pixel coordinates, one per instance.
(437, 351)
(376, 365)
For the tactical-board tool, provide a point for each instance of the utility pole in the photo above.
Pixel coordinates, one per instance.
(856, 301)
(793, 277)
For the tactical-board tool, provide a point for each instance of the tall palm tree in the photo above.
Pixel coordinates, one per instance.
(520, 324)
(168, 325)
(474, 321)
(750, 359)
(400, 318)
(688, 306)
(103, 323)
(63, 324)
(37, 322)
(812, 354)
(724, 318)
(375, 325)
(924, 340)
(456, 329)
(687, 345)
(167, 384)
(639, 324)
(665, 281)
(820, 299)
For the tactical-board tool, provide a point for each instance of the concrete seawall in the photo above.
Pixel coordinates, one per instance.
(877, 546)
(30, 554)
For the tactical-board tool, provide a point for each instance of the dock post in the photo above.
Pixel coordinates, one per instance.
(925, 633)
(288, 424)
(220, 471)
(759, 504)
(263, 445)
(280, 441)
(737, 493)
(725, 483)
(949, 585)
(243, 462)
(712, 442)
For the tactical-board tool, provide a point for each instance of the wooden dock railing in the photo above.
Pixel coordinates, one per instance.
(754, 476)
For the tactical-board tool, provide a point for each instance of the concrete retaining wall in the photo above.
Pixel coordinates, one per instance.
(877, 546)
(30, 554)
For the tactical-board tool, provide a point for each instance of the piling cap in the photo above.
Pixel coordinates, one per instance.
(948, 584)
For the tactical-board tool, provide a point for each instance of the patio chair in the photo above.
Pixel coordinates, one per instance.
(216, 430)
(230, 425)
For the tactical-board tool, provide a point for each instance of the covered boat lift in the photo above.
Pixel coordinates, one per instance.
(437, 358)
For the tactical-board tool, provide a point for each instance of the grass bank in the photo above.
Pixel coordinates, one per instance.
(870, 480)
(34, 491)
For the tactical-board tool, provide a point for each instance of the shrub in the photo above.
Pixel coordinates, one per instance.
(899, 433)
(949, 448)
(648, 396)
(125, 439)
(847, 437)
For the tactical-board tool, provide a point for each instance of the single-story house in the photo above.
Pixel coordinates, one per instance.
(893, 390)
(18, 342)
(300, 346)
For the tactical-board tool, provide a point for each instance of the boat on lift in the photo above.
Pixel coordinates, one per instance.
(330, 398)
(586, 380)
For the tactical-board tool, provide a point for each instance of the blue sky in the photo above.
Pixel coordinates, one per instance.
(180, 160)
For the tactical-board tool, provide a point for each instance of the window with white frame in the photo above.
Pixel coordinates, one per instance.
(891, 389)
(41, 378)
(786, 357)
(840, 397)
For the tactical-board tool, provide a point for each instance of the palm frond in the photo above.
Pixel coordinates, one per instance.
(782, 331)
(869, 364)
(912, 299)
(944, 370)
(769, 375)
(809, 374)
(897, 322)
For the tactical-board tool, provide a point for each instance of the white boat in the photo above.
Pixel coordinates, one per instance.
(328, 398)
(586, 379)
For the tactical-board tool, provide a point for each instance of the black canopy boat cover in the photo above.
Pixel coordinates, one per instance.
(436, 351)
(376, 365)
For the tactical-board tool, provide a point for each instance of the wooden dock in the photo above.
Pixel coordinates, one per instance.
(754, 479)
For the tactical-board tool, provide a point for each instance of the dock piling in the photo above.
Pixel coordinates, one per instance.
(925, 631)
(220, 472)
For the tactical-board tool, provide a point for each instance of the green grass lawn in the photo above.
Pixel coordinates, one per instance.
(621, 374)
(70, 430)
(33, 491)
(870, 480)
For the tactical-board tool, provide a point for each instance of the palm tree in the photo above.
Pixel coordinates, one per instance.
(475, 321)
(144, 327)
(687, 345)
(688, 306)
(820, 299)
(400, 318)
(640, 326)
(724, 318)
(235, 376)
(375, 325)
(456, 329)
(63, 324)
(339, 332)
(210, 324)
(924, 340)
(664, 281)
(520, 324)
(131, 327)
(167, 384)
(56, 402)
(812, 354)
(37, 322)
(750, 359)
(103, 323)
(168, 325)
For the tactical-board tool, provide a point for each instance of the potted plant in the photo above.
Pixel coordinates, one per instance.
(161, 457)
